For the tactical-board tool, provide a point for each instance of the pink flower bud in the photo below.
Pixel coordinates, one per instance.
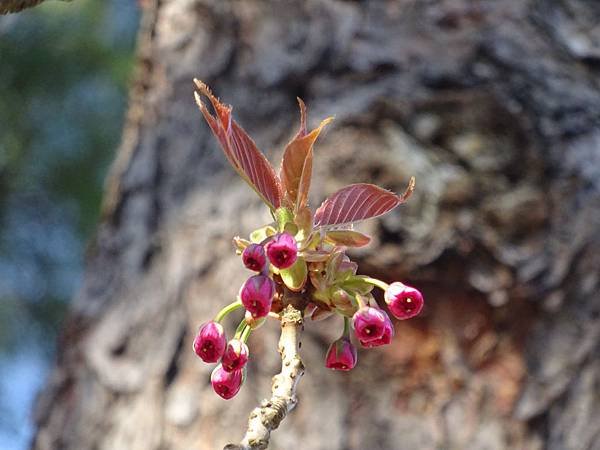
(403, 301)
(257, 295)
(369, 323)
(210, 342)
(254, 257)
(341, 355)
(282, 251)
(235, 356)
(386, 337)
(226, 384)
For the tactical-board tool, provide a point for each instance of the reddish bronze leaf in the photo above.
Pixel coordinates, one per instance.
(347, 238)
(356, 202)
(240, 149)
(296, 166)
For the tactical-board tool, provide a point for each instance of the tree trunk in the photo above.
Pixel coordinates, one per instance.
(13, 6)
(493, 106)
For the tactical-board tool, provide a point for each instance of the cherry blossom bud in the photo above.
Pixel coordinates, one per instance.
(341, 355)
(257, 295)
(386, 337)
(282, 251)
(403, 301)
(369, 324)
(254, 257)
(210, 342)
(235, 356)
(226, 384)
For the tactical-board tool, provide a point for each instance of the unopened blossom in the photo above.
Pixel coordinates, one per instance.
(369, 324)
(403, 301)
(282, 251)
(386, 337)
(226, 384)
(210, 342)
(257, 294)
(341, 355)
(235, 356)
(254, 257)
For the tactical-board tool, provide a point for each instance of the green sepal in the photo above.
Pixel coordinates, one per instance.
(295, 276)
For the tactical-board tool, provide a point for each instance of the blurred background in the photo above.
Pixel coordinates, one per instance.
(64, 73)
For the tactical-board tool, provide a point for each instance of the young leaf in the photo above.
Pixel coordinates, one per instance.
(260, 234)
(304, 221)
(347, 238)
(315, 256)
(240, 149)
(283, 216)
(240, 244)
(321, 314)
(296, 166)
(295, 276)
(357, 202)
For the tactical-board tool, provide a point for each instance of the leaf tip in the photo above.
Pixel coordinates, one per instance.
(199, 100)
(302, 107)
(326, 121)
(202, 87)
(409, 190)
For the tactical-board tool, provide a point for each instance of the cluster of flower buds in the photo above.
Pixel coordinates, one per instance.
(300, 253)
(211, 346)
(273, 254)
(314, 263)
(372, 326)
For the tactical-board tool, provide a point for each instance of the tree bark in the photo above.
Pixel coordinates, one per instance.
(493, 106)
(14, 6)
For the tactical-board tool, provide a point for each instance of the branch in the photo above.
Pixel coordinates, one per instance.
(271, 412)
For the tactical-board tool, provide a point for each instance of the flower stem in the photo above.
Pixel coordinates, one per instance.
(229, 308)
(375, 282)
(240, 329)
(346, 327)
(246, 334)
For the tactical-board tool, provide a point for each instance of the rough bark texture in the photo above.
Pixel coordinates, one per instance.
(13, 6)
(494, 106)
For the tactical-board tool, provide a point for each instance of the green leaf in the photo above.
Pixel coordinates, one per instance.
(259, 235)
(295, 277)
(357, 285)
